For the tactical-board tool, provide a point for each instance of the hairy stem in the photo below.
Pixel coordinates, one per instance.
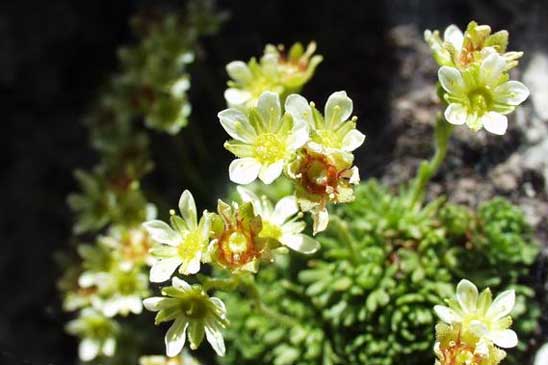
(428, 169)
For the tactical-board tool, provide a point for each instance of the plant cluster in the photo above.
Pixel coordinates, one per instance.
(363, 284)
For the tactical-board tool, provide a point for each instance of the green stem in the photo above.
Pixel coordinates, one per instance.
(342, 230)
(428, 169)
(228, 284)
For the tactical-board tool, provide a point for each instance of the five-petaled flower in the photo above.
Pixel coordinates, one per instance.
(181, 245)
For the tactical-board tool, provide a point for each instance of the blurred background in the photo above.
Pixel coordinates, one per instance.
(55, 55)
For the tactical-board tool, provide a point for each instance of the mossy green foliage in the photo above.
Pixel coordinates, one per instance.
(367, 296)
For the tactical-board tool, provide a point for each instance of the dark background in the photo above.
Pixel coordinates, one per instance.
(55, 54)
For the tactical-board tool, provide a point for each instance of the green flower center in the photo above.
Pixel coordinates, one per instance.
(196, 306)
(269, 148)
(270, 230)
(127, 283)
(480, 101)
(191, 245)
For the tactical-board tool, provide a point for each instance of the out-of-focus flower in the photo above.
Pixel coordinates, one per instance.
(97, 334)
(276, 72)
(264, 140)
(277, 224)
(479, 317)
(194, 314)
(458, 49)
(184, 358)
(180, 245)
(237, 245)
(481, 95)
(130, 245)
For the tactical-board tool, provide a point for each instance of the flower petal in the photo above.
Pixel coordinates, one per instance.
(156, 304)
(269, 109)
(161, 232)
(300, 110)
(176, 336)
(451, 80)
(244, 170)
(511, 93)
(467, 296)
(249, 196)
(237, 125)
(504, 338)
(300, 243)
(187, 207)
(502, 305)
(495, 123)
(163, 270)
(491, 69)
(455, 114)
(236, 97)
(285, 208)
(446, 314)
(109, 347)
(454, 36)
(269, 173)
(215, 337)
(321, 220)
(337, 109)
(180, 284)
(239, 71)
(299, 136)
(88, 349)
(352, 140)
(221, 307)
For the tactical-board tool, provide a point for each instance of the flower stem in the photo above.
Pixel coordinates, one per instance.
(227, 284)
(342, 230)
(428, 169)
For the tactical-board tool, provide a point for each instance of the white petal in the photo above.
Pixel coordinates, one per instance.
(321, 220)
(87, 279)
(88, 349)
(482, 347)
(112, 307)
(454, 36)
(220, 306)
(250, 197)
(354, 176)
(300, 243)
(268, 107)
(285, 208)
(504, 338)
(244, 170)
(491, 69)
(187, 207)
(455, 114)
(542, 355)
(337, 109)
(239, 71)
(298, 107)
(236, 97)
(446, 314)
(299, 135)
(495, 123)
(467, 295)
(451, 80)
(163, 270)
(352, 140)
(134, 304)
(502, 305)
(191, 267)
(511, 93)
(155, 304)
(175, 337)
(180, 284)
(161, 232)
(269, 173)
(109, 347)
(236, 124)
(215, 337)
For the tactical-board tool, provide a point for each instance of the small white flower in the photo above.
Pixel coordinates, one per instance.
(264, 140)
(334, 130)
(193, 313)
(181, 245)
(481, 315)
(481, 96)
(276, 222)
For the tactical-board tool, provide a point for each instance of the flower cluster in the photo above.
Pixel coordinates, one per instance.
(277, 71)
(474, 76)
(474, 327)
(314, 150)
(236, 239)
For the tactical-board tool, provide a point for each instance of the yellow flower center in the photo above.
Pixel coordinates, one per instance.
(269, 148)
(237, 243)
(327, 138)
(480, 101)
(270, 230)
(190, 246)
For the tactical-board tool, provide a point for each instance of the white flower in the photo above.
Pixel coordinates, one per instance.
(181, 245)
(481, 96)
(542, 355)
(264, 140)
(193, 313)
(481, 315)
(276, 223)
(334, 130)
